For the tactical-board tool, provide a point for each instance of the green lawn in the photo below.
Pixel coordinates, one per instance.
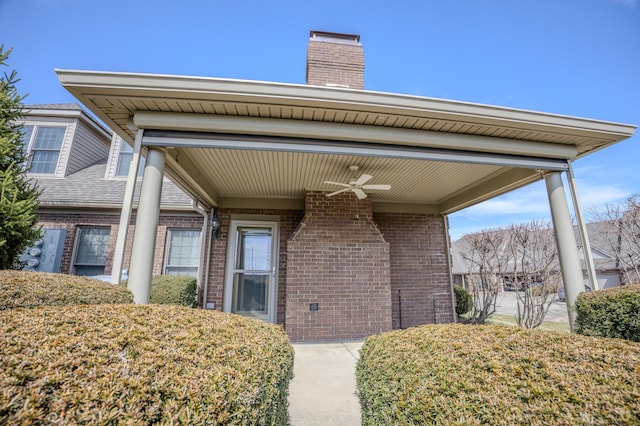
(511, 320)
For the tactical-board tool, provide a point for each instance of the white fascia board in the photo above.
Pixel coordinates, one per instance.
(350, 132)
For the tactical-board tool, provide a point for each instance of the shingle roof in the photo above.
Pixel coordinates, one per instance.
(68, 106)
(89, 188)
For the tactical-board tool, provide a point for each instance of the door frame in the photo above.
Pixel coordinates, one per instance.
(232, 248)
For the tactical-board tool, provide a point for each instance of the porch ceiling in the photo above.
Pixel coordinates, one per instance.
(228, 176)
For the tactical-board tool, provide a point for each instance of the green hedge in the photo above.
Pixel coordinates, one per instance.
(152, 364)
(613, 312)
(174, 290)
(464, 300)
(458, 374)
(22, 289)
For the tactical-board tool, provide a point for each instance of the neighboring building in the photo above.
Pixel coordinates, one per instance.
(609, 271)
(301, 227)
(81, 170)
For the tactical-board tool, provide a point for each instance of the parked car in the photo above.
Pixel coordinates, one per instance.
(561, 296)
(509, 285)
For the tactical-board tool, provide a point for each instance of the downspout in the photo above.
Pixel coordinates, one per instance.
(582, 230)
(127, 207)
(448, 254)
(204, 258)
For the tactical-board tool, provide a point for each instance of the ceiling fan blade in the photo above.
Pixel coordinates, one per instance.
(338, 192)
(360, 193)
(379, 187)
(337, 183)
(363, 179)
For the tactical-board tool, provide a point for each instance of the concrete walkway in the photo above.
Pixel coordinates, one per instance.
(323, 389)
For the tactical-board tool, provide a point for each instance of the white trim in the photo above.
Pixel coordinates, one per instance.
(358, 149)
(322, 131)
(272, 304)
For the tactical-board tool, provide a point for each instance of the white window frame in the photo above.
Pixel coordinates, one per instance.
(80, 229)
(167, 252)
(29, 145)
(274, 224)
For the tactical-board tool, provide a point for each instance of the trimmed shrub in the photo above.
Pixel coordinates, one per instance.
(471, 375)
(174, 290)
(613, 312)
(23, 289)
(141, 364)
(464, 300)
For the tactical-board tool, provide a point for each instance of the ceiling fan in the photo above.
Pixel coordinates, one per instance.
(357, 186)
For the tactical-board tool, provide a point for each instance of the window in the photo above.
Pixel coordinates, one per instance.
(183, 246)
(91, 250)
(27, 131)
(44, 144)
(124, 160)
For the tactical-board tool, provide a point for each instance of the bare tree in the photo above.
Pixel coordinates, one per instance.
(486, 260)
(621, 231)
(534, 267)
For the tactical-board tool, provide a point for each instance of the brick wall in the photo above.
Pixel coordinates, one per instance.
(337, 259)
(421, 292)
(335, 61)
(72, 221)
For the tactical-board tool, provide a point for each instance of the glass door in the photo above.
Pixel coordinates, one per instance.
(250, 284)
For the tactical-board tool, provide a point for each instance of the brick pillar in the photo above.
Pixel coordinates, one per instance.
(335, 60)
(337, 262)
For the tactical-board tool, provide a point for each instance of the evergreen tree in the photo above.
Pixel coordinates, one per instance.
(18, 195)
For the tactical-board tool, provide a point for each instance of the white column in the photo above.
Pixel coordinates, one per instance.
(125, 214)
(566, 242)
(144, 238)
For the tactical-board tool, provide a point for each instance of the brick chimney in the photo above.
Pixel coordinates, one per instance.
(335, 59)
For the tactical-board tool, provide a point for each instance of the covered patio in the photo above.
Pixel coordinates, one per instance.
(241, 146)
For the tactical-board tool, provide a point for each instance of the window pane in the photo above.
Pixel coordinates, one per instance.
(192, 272)
(93, 244)
(183, 251)
(250, 295)
(124, 160)
(44, 162)
(254, 249)
(46, 149)
(89, 271)
(27, 131)
(125, 147)
(49, 138)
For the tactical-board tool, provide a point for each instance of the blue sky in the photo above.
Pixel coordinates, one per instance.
(571, 57)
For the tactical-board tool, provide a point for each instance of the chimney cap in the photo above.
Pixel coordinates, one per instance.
(330, 37)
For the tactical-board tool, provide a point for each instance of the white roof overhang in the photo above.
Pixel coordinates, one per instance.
(260, 144)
